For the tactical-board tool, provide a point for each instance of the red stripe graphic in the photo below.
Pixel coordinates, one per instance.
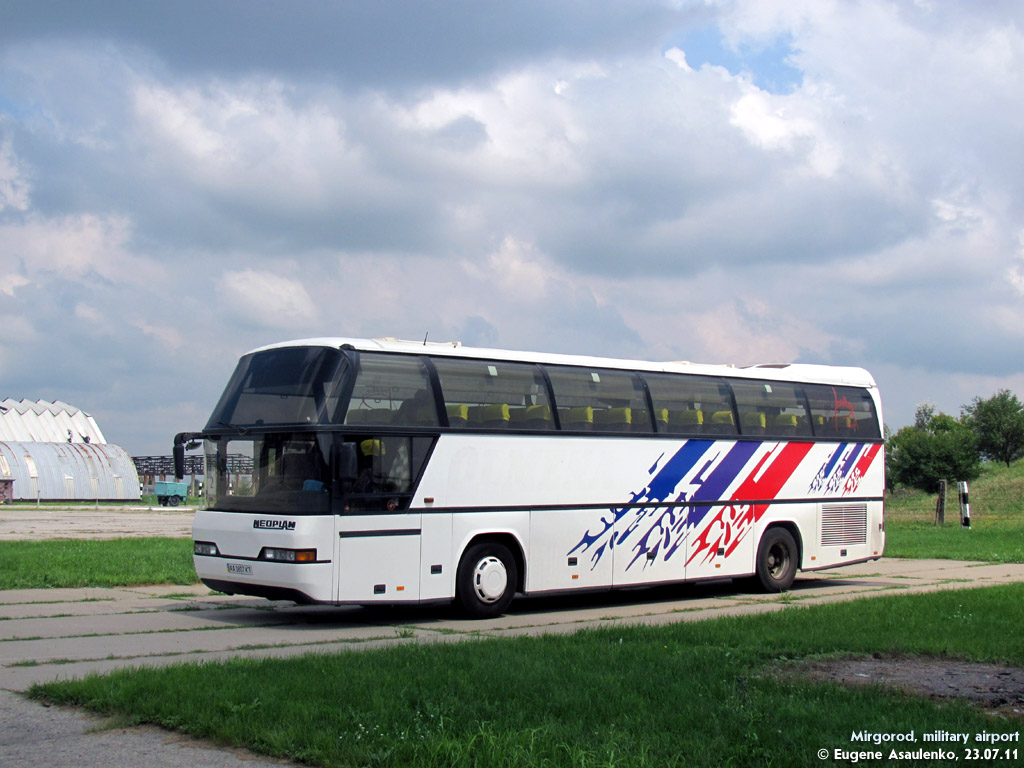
(866, 459)
(733, 522)
(853, 481)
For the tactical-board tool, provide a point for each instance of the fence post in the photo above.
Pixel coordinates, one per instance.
(965, 505)
(940, 504)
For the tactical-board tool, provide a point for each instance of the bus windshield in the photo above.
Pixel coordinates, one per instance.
(276, 473)
(290, 385)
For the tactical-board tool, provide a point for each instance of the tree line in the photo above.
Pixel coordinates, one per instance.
(939, 447)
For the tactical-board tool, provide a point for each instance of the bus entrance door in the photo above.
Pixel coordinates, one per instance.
(378, 558)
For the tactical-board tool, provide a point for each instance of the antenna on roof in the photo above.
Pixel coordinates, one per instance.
(425, 338)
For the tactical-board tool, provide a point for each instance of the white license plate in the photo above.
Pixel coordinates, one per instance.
(240, 569)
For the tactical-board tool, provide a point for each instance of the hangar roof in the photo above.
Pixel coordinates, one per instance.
(43, 422)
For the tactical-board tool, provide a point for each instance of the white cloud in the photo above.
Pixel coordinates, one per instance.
(12, 282)
(627, 198)
(1015, 272)
(88, 313)
(169, 336)
(678, 57)
(529, 125)
(516, 269)
(775, 122)
(267, 299)
(260, 142)
(73, 247)
(14, 186)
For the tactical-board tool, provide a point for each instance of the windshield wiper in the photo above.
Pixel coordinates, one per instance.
(240, 430)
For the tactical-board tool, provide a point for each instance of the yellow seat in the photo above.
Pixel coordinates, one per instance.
(753, 423)
(580, 417)
(491, 416)
(375, 416)
(691, 421)
(722, 423)
(785, 424)
(371, 448)
(614, 419)
(534, 417)
(661, 419)
(642, 420)
(458, 415)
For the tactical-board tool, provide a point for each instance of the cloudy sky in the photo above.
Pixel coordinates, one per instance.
(767, 181)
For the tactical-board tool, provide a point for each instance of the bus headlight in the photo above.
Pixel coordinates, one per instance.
(288, 555)
(207, 548)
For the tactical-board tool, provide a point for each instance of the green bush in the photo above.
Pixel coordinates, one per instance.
(998, 424)
(940, 449)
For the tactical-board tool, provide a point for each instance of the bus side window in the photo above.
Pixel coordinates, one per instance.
(845, 413)
(601, 400)
(391, 389)
(771, 408)
(694, 405)
(387, 468)
(493, 394)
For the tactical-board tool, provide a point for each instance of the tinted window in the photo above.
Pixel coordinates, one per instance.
(846, 413)
(494, 395)
(599, 399)
(276, 473)
(693, 405)
(772, 408)
(391, 389)
(291, 385)
(387, 468)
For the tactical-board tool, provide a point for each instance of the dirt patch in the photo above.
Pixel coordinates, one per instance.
(994, 687)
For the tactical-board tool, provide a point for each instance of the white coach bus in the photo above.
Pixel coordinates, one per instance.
(381, 471)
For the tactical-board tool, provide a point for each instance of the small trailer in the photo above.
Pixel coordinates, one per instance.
(170, 493)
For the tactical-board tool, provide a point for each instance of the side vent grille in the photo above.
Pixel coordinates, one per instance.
(844, 524)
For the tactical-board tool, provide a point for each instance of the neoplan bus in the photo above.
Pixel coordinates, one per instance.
(353, 471)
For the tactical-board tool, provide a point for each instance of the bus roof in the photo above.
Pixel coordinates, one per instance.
(796, 372)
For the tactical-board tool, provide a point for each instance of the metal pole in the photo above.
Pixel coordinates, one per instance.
(940, 504)
(965, 505)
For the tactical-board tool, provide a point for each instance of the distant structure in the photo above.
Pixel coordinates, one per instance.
(54, 451)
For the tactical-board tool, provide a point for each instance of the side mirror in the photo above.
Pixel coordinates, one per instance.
(179, 461)
(344, 462)
(183, 441)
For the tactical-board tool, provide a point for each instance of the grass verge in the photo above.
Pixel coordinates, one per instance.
(95, 563)
(997, 520)
(687, 694)
(995, 543)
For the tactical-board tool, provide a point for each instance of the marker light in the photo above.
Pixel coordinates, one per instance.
(207, 548)
(288, 555)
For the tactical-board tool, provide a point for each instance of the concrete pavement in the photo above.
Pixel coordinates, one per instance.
(63, 633)
(51, 633)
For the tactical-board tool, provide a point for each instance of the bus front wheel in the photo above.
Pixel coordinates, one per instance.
(486, 580)
(776, 560)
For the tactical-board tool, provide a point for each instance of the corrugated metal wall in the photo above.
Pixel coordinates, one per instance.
(42, 422)
(69, 471)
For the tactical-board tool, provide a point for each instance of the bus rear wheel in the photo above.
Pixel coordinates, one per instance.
(776, 560)
(486, 580)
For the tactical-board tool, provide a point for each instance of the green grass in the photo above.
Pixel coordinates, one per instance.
(150, 499)
(997, 520)
(95, 563)
(694, 694)
(146, 500)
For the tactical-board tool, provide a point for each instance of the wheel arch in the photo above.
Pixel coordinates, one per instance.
(510, 542)
(794, 531)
